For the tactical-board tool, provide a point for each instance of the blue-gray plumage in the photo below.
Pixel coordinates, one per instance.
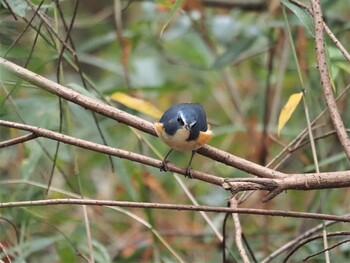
(189, 116)
(184, 127)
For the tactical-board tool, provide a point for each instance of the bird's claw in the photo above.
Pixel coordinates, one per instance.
(164, 166)
(188, 172)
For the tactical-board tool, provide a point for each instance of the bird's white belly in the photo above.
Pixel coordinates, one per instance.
(179, 142)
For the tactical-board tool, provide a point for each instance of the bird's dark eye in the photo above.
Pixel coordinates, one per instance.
(180, 121)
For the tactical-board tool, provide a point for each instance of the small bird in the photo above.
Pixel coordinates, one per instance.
(184, 128)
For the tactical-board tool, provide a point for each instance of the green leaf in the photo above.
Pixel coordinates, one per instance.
(303, 15)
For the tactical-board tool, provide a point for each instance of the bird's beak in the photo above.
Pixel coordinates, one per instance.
(187, 127)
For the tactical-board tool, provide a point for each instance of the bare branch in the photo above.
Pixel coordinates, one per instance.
(325, 78)
(308, 181)
(131, 120)
(327, 29)
(293, 181)
(40, 132)
(238, 231)
(330, 248)
(93, 202)
(292, 243)
(307, 240)
(18, 140)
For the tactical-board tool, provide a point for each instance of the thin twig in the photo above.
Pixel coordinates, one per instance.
(327, 249)
(307, 240)
(18, 140)
(292, 243)
(238, 231)
(47, 23)
(337, 43)
(94, 202)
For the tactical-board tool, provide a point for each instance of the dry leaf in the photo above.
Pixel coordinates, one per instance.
(288, 110)
(137, 104)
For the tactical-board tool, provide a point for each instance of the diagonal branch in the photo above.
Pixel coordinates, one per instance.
(275, 186)
(132, 120)
(40, 132)
(336, 42)
(305, 182)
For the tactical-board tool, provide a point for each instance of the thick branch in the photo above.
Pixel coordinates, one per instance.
(292, 182)
(325, 79)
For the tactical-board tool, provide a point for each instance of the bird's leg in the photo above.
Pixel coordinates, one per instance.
(189, 168)
(164, 166)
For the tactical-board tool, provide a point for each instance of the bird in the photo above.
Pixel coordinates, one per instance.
(184, 128)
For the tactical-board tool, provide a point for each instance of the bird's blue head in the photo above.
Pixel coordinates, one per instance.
(185, 116)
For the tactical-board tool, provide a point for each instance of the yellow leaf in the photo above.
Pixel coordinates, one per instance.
(288, 110)
(136, 104)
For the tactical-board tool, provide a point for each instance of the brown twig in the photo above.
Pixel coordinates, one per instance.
(40, 132)
(293, 181)
(336, 42)
(328, 249)
(279, 213)
(307, 240)
(238, 231)
(47, 23)
(18, 140)
(299, 238)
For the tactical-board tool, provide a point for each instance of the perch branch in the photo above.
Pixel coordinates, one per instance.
(131, 120)
(308, 181)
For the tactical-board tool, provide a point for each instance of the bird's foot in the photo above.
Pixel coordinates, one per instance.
(164, 166)
(188, 172)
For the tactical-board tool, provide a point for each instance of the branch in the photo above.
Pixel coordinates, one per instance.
(238, 231)
(18, 140)
(307, 240)
(327, 29)
(294, 181)
(308, 181)
(131, 120)
(93, 202)
(296, 240)
(325, 79)
(40, 132)
(300, 182)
